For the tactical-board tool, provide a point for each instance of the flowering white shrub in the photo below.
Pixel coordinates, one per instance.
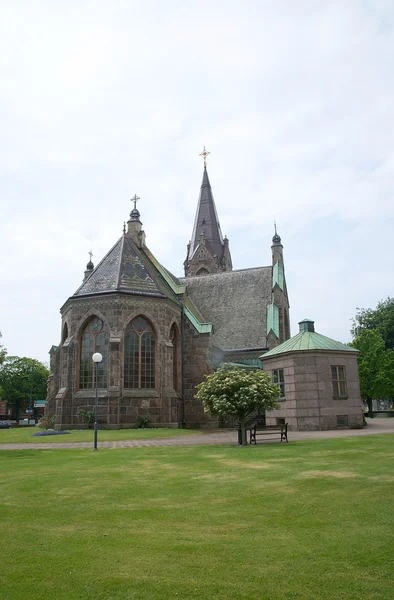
(238, 393)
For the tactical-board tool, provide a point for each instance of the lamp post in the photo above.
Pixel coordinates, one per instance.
(97, 358)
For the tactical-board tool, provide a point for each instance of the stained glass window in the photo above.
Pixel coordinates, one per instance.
(95, 338)
(139, 355)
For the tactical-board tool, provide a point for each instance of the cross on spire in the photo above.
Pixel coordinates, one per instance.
(90, 254)
(135, 199)
(204, 153)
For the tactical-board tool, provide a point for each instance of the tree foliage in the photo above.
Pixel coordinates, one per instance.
(22, 380)
(380, 319)
(3, 352)
(87, 417)
(375, 366)
(237, 393)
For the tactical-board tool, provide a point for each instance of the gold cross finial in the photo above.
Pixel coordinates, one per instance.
(204, 153)
(135, 199)
(90, 254)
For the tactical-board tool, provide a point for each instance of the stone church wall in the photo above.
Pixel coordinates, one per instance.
(118, 407)
(196, 360)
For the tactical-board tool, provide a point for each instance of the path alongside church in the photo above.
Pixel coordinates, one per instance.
(375, 426)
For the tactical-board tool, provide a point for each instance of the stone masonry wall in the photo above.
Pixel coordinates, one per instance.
(118, 407)
(196, 364)
(309, 403)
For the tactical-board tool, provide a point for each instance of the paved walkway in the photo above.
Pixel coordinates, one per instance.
(206, 438)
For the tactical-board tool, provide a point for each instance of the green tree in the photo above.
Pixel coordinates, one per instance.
(375, 366)
(380, 319)
(237, 393)
(23, 380)
(3, 352)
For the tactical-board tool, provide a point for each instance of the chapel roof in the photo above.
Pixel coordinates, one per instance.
(236, 303)
(127, 269)
(308, 340)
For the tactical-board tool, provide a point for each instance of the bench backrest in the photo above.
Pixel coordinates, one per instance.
(281, 427)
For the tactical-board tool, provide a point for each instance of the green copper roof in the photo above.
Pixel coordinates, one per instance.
(201, 327)
(167, 276)
(307, 340)
(273, 319)
(241, 366)
(278, 275)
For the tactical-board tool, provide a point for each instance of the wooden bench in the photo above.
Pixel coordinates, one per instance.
(257, 430)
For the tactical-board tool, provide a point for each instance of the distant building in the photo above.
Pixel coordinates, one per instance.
(318, 378)
(159, 334)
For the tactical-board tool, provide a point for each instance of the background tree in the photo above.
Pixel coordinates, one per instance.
(237, 393)
(23, 380)
(375, 366)
(380, 319)
(3, 351)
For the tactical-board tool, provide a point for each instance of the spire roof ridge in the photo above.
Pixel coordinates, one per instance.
(206, 221)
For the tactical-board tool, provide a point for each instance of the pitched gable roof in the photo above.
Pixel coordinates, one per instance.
(126, 269)
(236, 303)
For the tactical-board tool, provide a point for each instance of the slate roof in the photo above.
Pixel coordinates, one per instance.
(126, 269)
(308, 340)
(206, 221)
(236, 303)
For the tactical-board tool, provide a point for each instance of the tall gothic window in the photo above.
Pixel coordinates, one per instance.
(94, 338)
(174, 339)
(139, 355)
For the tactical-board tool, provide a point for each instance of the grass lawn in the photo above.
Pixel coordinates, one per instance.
(306, 520)
(25, 435)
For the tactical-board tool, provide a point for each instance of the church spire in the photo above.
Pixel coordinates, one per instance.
(207, 234)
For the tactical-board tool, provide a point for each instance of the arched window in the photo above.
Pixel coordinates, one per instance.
(139, 354)
(202, 271)
(94, 338)
(174, 337)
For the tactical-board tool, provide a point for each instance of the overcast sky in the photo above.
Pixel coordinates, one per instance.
(101, 100)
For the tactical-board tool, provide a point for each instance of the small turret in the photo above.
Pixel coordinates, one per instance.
(89, 267)
(277, 248)
(307, 325)
(134, 225)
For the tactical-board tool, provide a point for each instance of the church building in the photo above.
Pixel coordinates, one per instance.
(159, 334)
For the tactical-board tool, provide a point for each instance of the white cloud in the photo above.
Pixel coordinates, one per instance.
(101, 100)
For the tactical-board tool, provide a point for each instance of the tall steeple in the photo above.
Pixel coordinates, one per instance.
(207, 251)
